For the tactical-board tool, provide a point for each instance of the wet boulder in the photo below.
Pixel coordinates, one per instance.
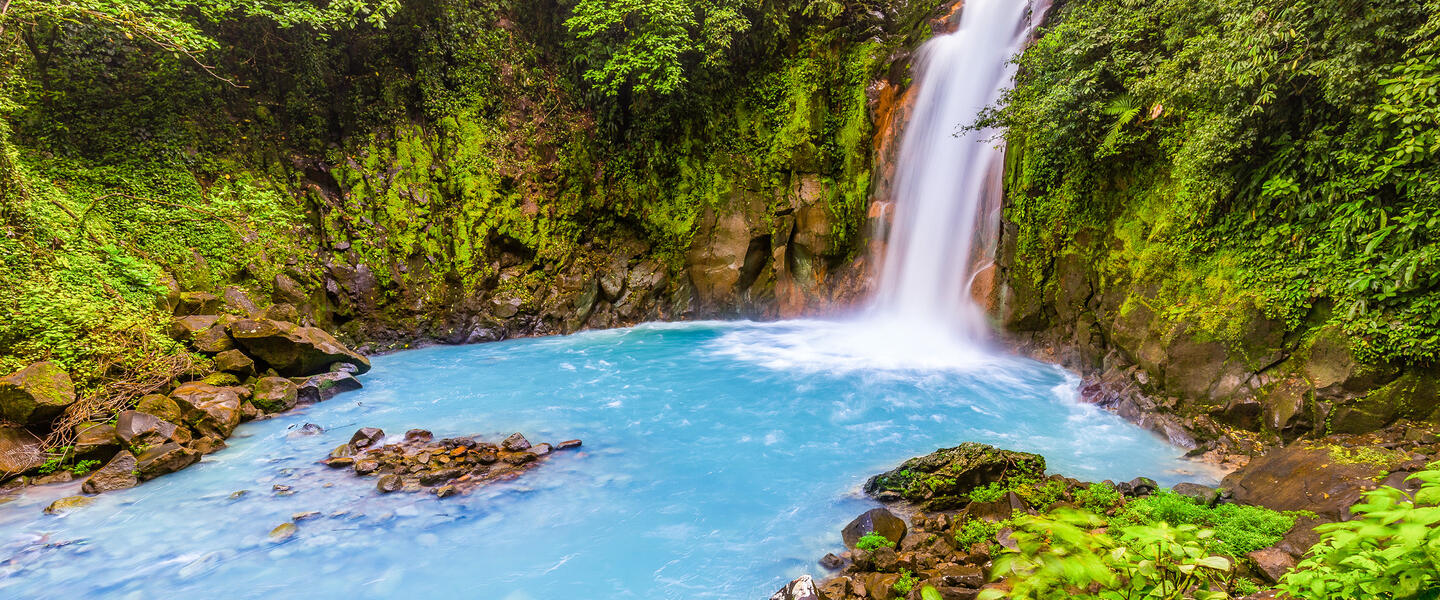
(877, 520)
(35, 394)
(19, 451)
(95, 441)
(274, 394)
(209, 408)
(366, 437)
(235, 361)
(118, 474)
(944, 478)
(291, 349)
(802, 588)
(205, 333)
(141, 430)
(1304, 476)
(160, 406)
(515, 443)
(324, 386)
(163, 459)
(67, 504)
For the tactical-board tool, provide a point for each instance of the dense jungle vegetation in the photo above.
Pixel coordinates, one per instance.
(191, 144)
(1272, 154)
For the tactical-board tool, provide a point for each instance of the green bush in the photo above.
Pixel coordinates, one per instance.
(1098, 498)
(1237, 529)
(1061, 555)
(975, 531)
(873, 541)
(905, 583)
(990, 492)
(1391, 549)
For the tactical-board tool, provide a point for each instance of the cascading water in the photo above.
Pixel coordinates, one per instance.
(947, 187)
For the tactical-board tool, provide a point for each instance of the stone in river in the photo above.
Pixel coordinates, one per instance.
(802, 588)
(67, 504)
(418, 435)
(366, 437)
(282, 532)
(515, 443)
(118, 474)
(389, 483)
(567, 445)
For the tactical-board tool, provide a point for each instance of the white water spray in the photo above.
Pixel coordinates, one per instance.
(947, 187)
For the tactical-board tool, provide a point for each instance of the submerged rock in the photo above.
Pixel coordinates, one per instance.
(67, 504)
(282, 532)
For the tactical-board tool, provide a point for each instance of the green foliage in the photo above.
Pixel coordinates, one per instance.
(873, 541)
(1237, 529)
(1060, 555)
(978, 531)
(905, 583)
(990, 492)
(1098, 498)
(1389, 550)
(82, 467)
(930, 593)
(1271, 155)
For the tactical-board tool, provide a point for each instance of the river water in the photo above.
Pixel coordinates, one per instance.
(719, 461)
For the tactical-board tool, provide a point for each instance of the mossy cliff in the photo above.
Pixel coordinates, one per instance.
(1231, 208)
(452, 176)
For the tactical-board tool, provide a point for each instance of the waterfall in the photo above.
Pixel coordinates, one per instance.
(947, 181)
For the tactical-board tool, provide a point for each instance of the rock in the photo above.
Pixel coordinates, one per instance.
(967, 576)
(291, 349)
(1202, 494)
(389, 483)
(441, 476)
(339, 462)
(222, 380)
(274, 394)
(35, 394)
(95, 441)
(248, 412)
(165, 458)
(205, 333)
(1303, 476)
(832, 562)
(308, 429)
(418, 436)
(198, 303)
(118, 474)
(325, 386)
(515, 443)
(877, 520)
(1143, 486)
(283, 311)
(283, 532)
(802, 588)
(160, 406)
(1271, 563)
(208, 444)
(67, 504)
(998, 510)
(838, 588)
(446, 491)
(366, 466)
(942, 479)
(137, 429)
(567, 445)
(209, 408)
(366, 437)
(20, 451)
(520, 458)
(541, 449)
(235, 361)
(237, 301)
(342, 451)
(1300, 538)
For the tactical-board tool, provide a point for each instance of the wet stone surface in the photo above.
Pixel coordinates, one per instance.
(444, 467)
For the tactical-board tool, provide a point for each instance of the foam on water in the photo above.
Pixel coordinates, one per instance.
(720, 460)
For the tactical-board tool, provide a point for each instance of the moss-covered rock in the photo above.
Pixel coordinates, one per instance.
(943, 478)
(36, 394)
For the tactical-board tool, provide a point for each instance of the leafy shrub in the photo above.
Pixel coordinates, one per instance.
(1060, 555)
(990, 492)
(1237, 529)
(84, 466)
(1391, 549)
(1041, 494)
(975, 531)
(872, 541)
(905, 583)
(1098, 498)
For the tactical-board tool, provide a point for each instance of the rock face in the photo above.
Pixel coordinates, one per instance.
(446, 467)
(118, 474)
(36, 394)
(943, 478)
(19, 451)
(291, 349)
(1305, 476)
(878, 520)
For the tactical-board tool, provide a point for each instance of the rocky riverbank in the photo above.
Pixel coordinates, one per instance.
(968, 506)
(245, 362)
